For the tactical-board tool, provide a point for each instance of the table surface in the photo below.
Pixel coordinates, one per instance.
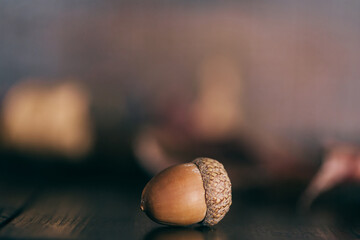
(57, 205)
(110, 211)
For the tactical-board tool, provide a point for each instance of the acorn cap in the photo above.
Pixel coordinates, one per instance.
(217, 187)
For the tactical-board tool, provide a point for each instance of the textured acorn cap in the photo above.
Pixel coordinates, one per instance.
(217, 187)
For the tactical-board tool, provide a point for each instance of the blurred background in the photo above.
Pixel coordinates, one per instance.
(119, 90)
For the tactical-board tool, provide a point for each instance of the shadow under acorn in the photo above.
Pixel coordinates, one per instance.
(189, 233)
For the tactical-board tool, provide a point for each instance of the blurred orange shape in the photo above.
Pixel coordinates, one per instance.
(48, 117)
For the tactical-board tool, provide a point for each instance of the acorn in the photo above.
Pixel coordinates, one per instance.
(189, 193)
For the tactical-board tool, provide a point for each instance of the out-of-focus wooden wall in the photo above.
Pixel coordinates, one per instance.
(299, 60)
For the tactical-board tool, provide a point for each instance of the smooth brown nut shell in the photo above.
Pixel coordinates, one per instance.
(188, 193)
(175, 196)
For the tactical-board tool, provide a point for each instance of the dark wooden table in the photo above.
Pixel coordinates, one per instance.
(105, 206)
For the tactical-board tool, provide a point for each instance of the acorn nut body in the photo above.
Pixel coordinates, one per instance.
(185, 194)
